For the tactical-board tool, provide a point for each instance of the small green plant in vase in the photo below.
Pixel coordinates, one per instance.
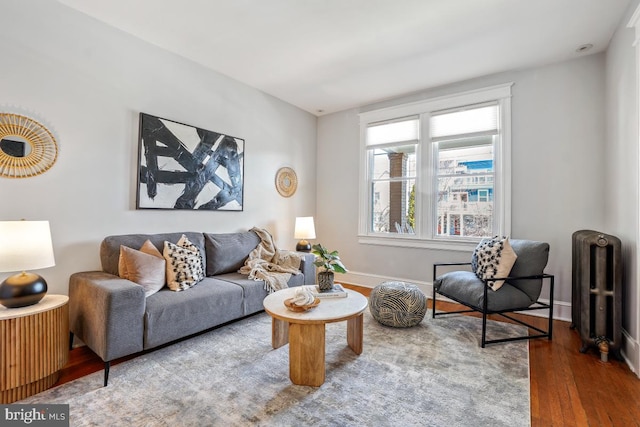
(328, 263)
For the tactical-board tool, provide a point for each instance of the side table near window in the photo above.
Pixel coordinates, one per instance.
(34, 347)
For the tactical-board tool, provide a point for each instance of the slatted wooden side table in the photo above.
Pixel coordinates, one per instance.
(34, 346)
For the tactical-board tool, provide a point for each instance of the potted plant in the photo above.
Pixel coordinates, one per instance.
(329, 263)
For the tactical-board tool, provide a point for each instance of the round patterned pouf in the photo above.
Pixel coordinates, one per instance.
(397, 304)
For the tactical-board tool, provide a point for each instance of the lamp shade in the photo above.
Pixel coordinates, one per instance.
(25, 245)
(304, 228)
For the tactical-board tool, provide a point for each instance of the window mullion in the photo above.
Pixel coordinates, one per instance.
(426, 180)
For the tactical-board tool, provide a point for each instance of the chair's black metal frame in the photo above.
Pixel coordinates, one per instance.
(538, 305)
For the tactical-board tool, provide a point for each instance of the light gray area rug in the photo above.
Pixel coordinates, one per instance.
(433, 374)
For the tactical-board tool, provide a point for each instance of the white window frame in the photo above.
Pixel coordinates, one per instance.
(425, 173)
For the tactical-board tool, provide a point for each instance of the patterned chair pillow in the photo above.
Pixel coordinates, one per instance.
(493, 258)
(184, 264)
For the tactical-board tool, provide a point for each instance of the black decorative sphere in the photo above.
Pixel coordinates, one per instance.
(303, 246)
(22, 290)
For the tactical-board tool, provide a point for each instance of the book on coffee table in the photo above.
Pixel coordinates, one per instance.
(336, 292)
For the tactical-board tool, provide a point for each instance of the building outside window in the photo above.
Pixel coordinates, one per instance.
(392, 157)
(437, 171)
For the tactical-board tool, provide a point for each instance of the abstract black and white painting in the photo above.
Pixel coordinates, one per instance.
(185, 167)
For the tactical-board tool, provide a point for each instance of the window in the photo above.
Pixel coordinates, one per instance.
(463, 144)
(437, 172)
(392, 156)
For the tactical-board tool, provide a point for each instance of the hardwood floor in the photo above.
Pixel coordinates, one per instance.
(568, 388)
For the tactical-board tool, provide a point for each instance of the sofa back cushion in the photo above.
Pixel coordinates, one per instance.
(110, 246)
(226, 253)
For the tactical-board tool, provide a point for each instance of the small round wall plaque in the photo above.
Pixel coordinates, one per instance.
(27, 148)
(286, 182)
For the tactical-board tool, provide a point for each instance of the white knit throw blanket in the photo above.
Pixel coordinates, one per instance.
(267, 262)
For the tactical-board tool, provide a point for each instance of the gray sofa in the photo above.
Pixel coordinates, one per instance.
(113, 317)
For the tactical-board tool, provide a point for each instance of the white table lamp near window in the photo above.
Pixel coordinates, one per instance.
(24, 245)
(304, 230)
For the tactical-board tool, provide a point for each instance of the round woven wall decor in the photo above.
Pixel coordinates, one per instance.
(286, 182)
(40, 147)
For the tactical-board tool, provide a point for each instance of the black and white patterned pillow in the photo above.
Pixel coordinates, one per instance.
(184, 264)
(476, 251)
(493, 258)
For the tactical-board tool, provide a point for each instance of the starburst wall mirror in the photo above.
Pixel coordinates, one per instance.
(27, 148)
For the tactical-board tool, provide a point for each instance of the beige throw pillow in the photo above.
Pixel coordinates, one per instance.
(184, 264)
(145, 267)
(494, 258)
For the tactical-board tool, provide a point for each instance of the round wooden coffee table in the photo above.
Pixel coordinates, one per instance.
(305, 331)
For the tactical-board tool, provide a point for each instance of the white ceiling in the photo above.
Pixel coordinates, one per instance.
(329, 55)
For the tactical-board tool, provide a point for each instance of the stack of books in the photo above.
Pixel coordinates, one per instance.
(336, 292)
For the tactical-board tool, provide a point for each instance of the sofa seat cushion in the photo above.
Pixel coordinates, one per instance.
(172, 315)
(469, 289)
(252, 290)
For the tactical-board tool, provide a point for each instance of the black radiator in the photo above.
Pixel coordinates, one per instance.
(596, 307)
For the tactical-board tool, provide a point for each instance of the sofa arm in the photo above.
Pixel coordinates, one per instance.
(107, 313)
(307, 268)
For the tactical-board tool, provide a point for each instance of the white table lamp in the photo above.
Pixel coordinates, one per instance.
(304, 230)
(24, 245)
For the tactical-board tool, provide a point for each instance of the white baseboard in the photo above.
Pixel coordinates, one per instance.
(371, 281)
(631, 352)
(561, 309)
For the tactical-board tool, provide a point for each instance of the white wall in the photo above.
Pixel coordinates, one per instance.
(621, 162)
(558, 145)
(88, 82)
